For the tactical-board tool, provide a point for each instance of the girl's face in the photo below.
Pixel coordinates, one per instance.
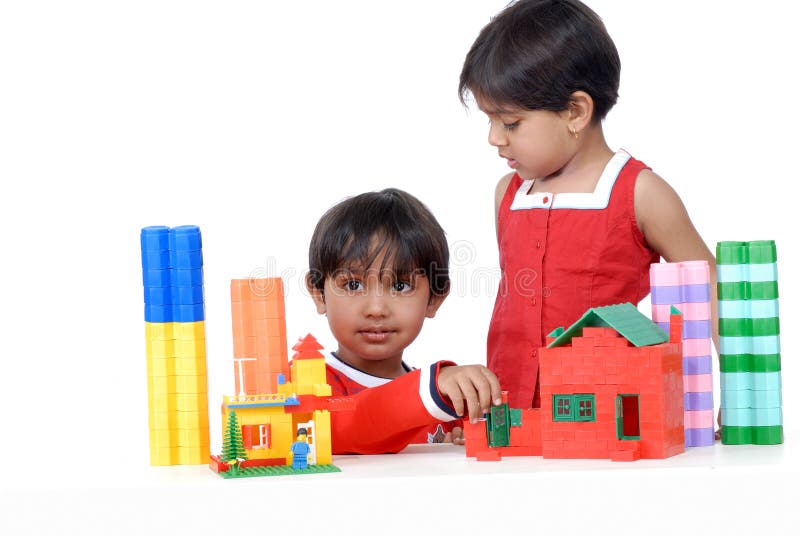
(536, 143)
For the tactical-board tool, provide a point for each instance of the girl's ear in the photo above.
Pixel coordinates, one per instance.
(435, 302)
(579, 112)
(317, 295)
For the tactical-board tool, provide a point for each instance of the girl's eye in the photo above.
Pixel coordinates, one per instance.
(511, 126)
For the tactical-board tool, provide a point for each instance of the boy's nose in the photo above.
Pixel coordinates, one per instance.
(376, 305)
(497, 135)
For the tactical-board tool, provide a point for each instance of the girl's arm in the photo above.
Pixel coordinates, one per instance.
(666, 226)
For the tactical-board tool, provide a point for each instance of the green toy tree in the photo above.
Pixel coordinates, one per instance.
(232, 442)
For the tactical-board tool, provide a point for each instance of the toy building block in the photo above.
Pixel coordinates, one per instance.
(172, 275)
(750, 364)
(611, 388)
(275, 399)
(686, 286)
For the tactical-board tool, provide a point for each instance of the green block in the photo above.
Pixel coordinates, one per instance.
(516, 416)
(752, 435)
(745, 290)
(749, 327)
(278, 470)
(756, 252)
(750, 363)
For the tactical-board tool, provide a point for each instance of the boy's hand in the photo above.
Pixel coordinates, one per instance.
(457, 436)
(473, 385)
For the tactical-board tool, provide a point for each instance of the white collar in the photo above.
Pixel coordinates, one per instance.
(595, 200)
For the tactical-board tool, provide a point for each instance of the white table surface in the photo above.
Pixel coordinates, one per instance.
(426, 489)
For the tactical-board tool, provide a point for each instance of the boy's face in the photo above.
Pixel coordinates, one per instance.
(375, 315)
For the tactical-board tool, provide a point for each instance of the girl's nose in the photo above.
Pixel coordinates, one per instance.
(497, 135)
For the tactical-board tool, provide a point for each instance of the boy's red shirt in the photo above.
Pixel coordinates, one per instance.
(389, 414)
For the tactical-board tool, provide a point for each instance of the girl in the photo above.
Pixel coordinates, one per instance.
(578, 224)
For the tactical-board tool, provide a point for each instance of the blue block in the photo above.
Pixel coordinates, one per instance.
(188, 313)
(185, 238)
(675, 295)
(186, 295)
(754, 273)
(155, 238)
(185, 260)
(158, 313)
(752, 417)
(698, 437)
(765, 344)
(156, 278)
(755, 381)
(748, 309)
(155, 260)
(698, 401)
(187, 278)
(158, 295)
(697, 329)
(751, 399)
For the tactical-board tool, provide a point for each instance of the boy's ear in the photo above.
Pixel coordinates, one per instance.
(317, 295)
(435, 302)
(579, 111)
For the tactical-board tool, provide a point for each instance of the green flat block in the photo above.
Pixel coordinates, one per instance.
(279, 470)
(755, 252)
(749, 327)
(516, 416)
(752, 435)
(750, 363)
(745, 290)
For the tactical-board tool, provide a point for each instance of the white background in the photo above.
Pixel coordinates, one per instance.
(250, 119)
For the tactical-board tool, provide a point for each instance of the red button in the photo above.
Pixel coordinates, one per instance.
(545, 199)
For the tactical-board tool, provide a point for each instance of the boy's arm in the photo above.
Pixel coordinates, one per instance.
(666, 226)
(388, 417)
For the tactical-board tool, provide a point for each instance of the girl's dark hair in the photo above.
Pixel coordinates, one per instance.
(358, 229)
(535, 53)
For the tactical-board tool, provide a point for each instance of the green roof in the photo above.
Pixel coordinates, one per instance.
(624, 318)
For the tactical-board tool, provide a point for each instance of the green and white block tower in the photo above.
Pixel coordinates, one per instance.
(749, 343)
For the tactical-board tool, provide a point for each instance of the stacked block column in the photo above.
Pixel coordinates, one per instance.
(174, 314)
(258, 315)
(686, 286)
(750, 361)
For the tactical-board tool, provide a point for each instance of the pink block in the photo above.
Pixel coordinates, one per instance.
(698, 419)
(690, 311)
(665, 274)
(699, 383)
(694, 272)
(696, 347)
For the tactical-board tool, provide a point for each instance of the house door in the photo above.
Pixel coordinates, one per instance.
(312, 444)
(627, 413)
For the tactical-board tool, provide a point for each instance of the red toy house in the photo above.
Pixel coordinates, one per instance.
(611, 387)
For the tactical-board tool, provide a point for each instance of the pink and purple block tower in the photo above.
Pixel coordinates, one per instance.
(686, 286)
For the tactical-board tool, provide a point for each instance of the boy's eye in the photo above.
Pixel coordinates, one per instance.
(352, 285)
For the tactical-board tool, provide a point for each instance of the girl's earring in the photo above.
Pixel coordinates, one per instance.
(573, 132)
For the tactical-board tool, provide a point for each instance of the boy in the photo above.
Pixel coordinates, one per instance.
(378, 266)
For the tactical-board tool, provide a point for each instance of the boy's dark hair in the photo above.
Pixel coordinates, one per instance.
(359, 228)
(535, 53)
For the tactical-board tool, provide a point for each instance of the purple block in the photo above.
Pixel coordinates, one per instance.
(680, 294)
(698, 437)
(697, 365)
(696, 329)
(664, 326)
(698, 401)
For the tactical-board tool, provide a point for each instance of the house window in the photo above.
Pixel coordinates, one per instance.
(255, 436)
(574, 408)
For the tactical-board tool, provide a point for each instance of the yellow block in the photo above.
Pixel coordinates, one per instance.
(306, 373)
(190, 366)
(190, 347)
(159, 330)
(322, 436)
(197, 437)
(191, 384)
(160, 366)
(193, 455)
(163, 438)
(160, 348)
(161, 384)
(190, 330)
(189, 420)
(162, 402)
(163, 455)
(322, 389)
(192, 402)
(164, 420)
